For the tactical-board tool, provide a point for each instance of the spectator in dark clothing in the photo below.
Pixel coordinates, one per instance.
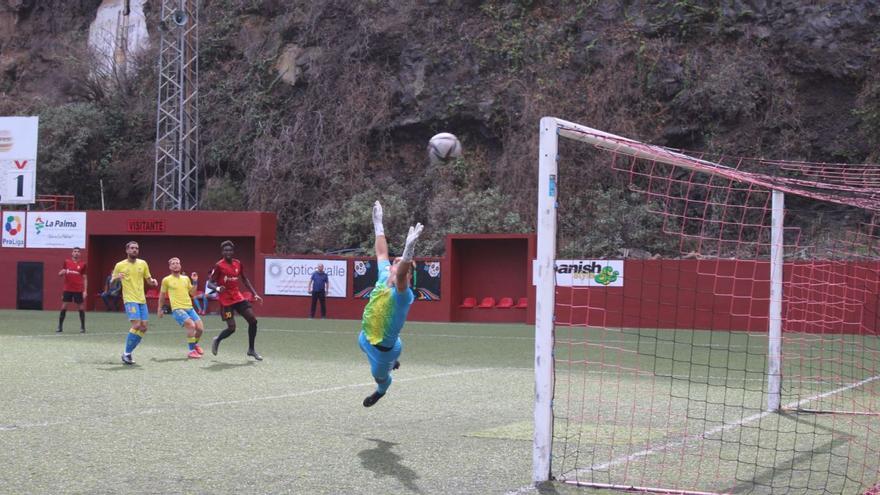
(110, 295)
(319, 284)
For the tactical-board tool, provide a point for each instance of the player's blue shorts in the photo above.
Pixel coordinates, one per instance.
(181, 315)
(137, 311)
(381, 362)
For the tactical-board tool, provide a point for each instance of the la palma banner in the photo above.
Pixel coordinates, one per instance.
(56, 229)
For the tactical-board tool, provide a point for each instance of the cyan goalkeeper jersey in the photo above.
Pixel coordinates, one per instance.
(386, 311)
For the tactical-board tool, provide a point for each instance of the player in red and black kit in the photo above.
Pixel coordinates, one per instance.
(75, 288)
(225, 278)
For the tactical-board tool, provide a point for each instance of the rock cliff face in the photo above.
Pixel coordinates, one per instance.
(115, 35)
(313, 109)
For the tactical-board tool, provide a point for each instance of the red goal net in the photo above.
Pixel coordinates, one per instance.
(738, 355)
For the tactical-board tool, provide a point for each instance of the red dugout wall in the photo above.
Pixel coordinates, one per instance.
(192, 236)
(708, 294)
(729, 295)
(490, 265)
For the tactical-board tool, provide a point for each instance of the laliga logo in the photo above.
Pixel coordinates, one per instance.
(13, 224)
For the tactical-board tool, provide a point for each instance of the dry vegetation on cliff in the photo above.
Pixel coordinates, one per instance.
(314, 111)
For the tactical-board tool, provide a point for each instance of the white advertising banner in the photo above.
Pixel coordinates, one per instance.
(586, 273)
(290, 277)
(56, 229)
(13, 229)
(18, 159)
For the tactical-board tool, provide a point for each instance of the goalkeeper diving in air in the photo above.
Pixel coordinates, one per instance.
(386, 311)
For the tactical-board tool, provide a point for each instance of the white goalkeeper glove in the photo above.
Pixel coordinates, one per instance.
(377, 219)
(411, 238)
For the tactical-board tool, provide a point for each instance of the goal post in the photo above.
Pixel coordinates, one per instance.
(774, 317)
(744, 359)
(544, 299)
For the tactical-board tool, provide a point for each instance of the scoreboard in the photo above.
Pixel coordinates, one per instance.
(18, 160)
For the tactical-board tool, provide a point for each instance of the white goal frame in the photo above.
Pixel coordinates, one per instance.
(551, 129)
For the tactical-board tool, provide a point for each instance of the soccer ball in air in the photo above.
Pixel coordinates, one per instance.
(443, 147)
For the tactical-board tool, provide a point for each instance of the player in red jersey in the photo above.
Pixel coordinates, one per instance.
(225, 278)
(75, 288)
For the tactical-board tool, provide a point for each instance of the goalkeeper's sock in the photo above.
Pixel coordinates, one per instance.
(192, 343)
(382, 387)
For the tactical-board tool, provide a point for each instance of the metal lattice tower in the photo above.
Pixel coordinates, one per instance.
(177, 122)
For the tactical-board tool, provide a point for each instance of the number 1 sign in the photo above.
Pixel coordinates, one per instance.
(18, 159)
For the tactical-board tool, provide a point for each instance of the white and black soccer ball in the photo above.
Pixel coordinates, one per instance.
(443, 147)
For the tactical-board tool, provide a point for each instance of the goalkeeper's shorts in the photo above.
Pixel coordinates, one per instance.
(381, 362)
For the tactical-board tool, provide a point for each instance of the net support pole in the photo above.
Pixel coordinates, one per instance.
(545, 293)
(774, 333)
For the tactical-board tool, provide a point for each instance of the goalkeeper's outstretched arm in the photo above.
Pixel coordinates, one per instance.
(381, 243)
(402, 282)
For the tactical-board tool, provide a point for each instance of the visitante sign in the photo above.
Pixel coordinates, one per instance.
(146, 225)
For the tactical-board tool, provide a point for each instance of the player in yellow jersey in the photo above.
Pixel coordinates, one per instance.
(134, 273)
(180, 290)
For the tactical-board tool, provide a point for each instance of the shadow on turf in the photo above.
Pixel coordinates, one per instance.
(383, 462)
(546, 488)
(118, 366)
(792, 469)
(169, 360)
(218, 366)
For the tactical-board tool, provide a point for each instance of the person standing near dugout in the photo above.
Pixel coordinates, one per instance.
(319, 285)
(225, 278)
(75, 288)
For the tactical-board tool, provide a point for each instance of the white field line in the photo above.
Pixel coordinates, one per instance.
(523, 489)
(292, 395)
(718, 429)
(339, 387)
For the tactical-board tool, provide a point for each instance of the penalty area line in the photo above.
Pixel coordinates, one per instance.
(339, 387)
(718, 429)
